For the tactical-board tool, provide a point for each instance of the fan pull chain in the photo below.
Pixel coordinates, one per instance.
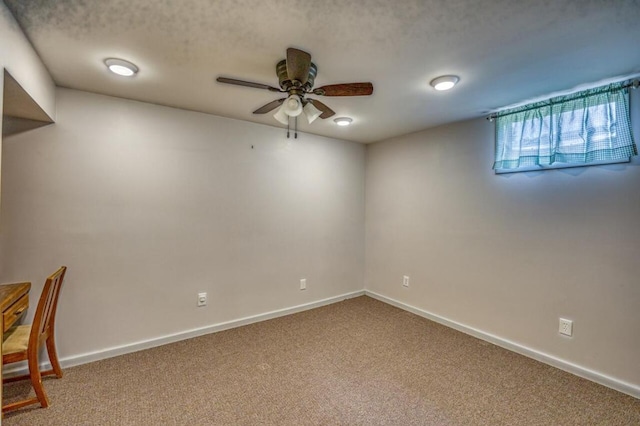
(296, 132)
(288, 121)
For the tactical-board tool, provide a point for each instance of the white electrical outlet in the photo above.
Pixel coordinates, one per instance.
(303, 284)
(202, 299)
(405, 281)
(566, 327)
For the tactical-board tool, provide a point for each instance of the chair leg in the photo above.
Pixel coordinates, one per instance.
(53, 356)
(36, 381)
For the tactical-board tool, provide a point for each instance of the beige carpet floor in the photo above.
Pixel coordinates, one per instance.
(357, 362)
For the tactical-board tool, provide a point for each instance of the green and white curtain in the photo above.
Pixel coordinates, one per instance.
(592, 126)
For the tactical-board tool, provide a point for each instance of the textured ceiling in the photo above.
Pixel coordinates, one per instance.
(504, 51)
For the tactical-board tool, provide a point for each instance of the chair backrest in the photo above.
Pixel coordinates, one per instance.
(45, 316)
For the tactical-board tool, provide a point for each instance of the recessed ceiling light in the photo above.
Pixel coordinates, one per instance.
(445, 82)
(121, 67)
(343, 121)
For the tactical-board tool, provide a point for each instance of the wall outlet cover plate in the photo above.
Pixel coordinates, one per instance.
(566, 327)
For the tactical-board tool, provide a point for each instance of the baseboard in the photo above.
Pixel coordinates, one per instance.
(567, 366)
(594, 376)
(176, 337)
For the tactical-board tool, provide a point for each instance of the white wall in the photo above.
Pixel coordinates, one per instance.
(149, 205)
(18, 57)
(509, 254)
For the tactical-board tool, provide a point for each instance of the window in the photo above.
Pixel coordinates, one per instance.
(585, 128)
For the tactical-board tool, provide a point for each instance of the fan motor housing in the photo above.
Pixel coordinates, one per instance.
(283, 77)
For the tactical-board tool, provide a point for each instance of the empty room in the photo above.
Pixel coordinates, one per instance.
(320, 213)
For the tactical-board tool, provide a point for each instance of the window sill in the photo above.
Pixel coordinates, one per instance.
(557, 166)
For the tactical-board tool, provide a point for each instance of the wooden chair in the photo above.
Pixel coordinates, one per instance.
(23, 342)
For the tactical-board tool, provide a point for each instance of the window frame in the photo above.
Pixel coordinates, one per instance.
(609, 104)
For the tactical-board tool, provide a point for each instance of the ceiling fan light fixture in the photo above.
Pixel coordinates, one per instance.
(121, 67)
(281, 116)
(343, 121)
(292, 106)
(296, 77)
(445, 82)
(311, 112)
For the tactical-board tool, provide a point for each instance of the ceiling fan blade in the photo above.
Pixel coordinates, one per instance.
(269, 107)
(298, 63)
(326, 111)
(246, 84)
(348, 89)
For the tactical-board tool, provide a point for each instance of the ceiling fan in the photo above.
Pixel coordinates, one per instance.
(296, 75)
